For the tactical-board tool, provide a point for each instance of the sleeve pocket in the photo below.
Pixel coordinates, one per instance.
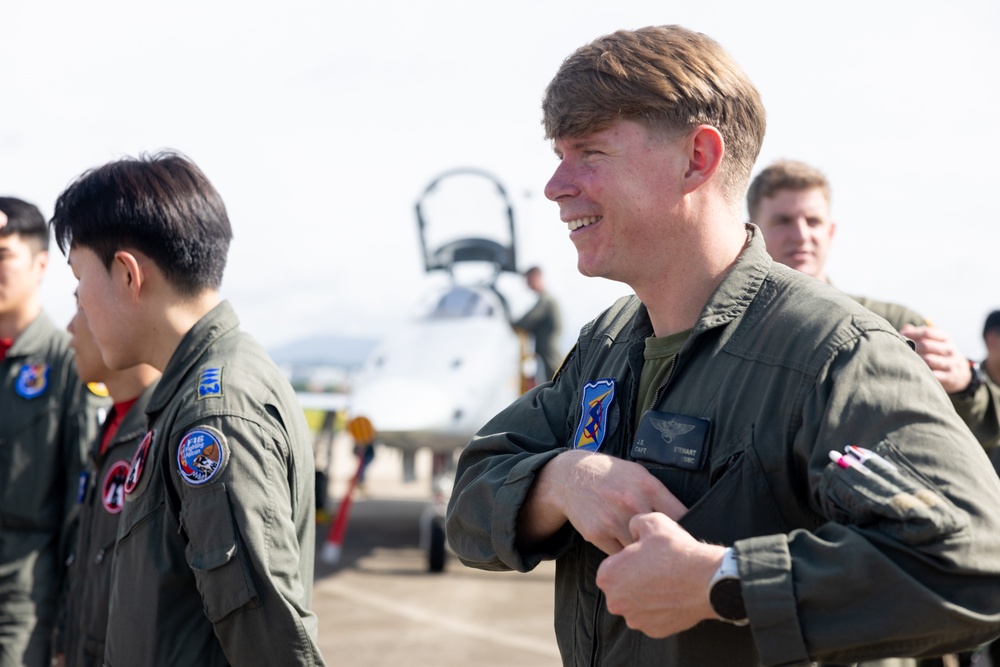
(214, 553)
(894, 499)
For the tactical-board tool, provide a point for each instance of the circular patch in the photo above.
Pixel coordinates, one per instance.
(200, 456)
(113, 489)
(32, 380)
(138, 463)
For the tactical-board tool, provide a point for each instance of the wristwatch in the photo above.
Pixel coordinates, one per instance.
(724, 592)
(975, 382)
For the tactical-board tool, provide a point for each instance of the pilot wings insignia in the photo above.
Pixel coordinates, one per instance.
(670, 429)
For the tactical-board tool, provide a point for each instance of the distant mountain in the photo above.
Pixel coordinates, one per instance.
(325, 350)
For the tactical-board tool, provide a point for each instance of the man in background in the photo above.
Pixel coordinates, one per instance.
(790, 202)
(544, 323)
(47, 419)
(102, 496)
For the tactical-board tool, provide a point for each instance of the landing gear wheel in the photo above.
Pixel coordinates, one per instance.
(436, 550)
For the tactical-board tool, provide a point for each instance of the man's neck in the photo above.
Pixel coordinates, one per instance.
(175, 321)
(992, 368)
(15, 322)
(689, 278)
(128, 384)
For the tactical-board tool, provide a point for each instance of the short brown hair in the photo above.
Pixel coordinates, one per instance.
(668, 78)
(784, 175)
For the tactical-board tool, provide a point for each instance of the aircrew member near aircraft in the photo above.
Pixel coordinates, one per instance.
(214, 559)
(47, 418)
(739, 465)
(790, 202)
(544, 322)
(102, 496)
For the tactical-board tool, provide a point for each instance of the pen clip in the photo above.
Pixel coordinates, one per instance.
(847, 461)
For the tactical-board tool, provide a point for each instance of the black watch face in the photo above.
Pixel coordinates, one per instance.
(727, 600)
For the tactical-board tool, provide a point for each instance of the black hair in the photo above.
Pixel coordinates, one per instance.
(25, 220)
(992, 323)
(161, 205)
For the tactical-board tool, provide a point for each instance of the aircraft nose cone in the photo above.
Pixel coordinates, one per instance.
(403, 404)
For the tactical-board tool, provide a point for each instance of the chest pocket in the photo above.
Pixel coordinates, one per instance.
(735, 499)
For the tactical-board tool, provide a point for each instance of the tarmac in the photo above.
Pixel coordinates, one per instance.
(378, 605)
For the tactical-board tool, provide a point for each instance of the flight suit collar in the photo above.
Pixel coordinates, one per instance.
(34, 338)
(730, 299)
(215, 324)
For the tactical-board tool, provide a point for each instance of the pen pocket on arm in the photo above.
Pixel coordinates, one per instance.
(892, 498)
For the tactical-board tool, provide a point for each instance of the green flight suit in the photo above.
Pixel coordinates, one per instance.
(543, 321)
(47, 420)
(835, 566)
(214, 559)
(99, 508)
(981, 411)
(895, 314)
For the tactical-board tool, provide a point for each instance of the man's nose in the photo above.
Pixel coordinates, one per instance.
(561, 184)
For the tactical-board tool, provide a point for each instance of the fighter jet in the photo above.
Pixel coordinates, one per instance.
(435, 381)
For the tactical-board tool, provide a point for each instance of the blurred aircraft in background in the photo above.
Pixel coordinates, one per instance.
(434, 382)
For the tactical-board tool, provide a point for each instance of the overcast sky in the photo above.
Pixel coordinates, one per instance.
(321, 124)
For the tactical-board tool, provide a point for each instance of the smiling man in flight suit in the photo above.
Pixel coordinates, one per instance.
(739, 465)
(214, 560)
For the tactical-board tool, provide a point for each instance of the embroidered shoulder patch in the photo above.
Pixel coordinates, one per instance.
(32, 380)
(210, 383)
(596, 404)
(201, 455)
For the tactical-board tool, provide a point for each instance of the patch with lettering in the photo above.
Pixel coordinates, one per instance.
(677, 441)
(138, 463)
(596, 403)
(201, 455)
(210, 383)
(113, 488)
(32, 380)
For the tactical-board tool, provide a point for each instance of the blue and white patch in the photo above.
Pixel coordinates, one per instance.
(201, 455)
(32, 381)
(210, 383)
(596, 405)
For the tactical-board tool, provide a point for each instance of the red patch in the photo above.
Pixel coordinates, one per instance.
(113, 489)
(138, 463)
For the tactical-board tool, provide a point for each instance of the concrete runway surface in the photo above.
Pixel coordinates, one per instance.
(379, 606)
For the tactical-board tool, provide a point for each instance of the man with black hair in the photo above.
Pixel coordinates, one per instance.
(214, 560)
(47, 418)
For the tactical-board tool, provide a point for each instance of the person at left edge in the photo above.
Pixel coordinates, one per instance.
(102, 496)
(214, 559)
(47, 417)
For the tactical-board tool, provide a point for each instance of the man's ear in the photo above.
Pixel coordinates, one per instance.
(42, 258)
(706, 149)
(131, 271)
